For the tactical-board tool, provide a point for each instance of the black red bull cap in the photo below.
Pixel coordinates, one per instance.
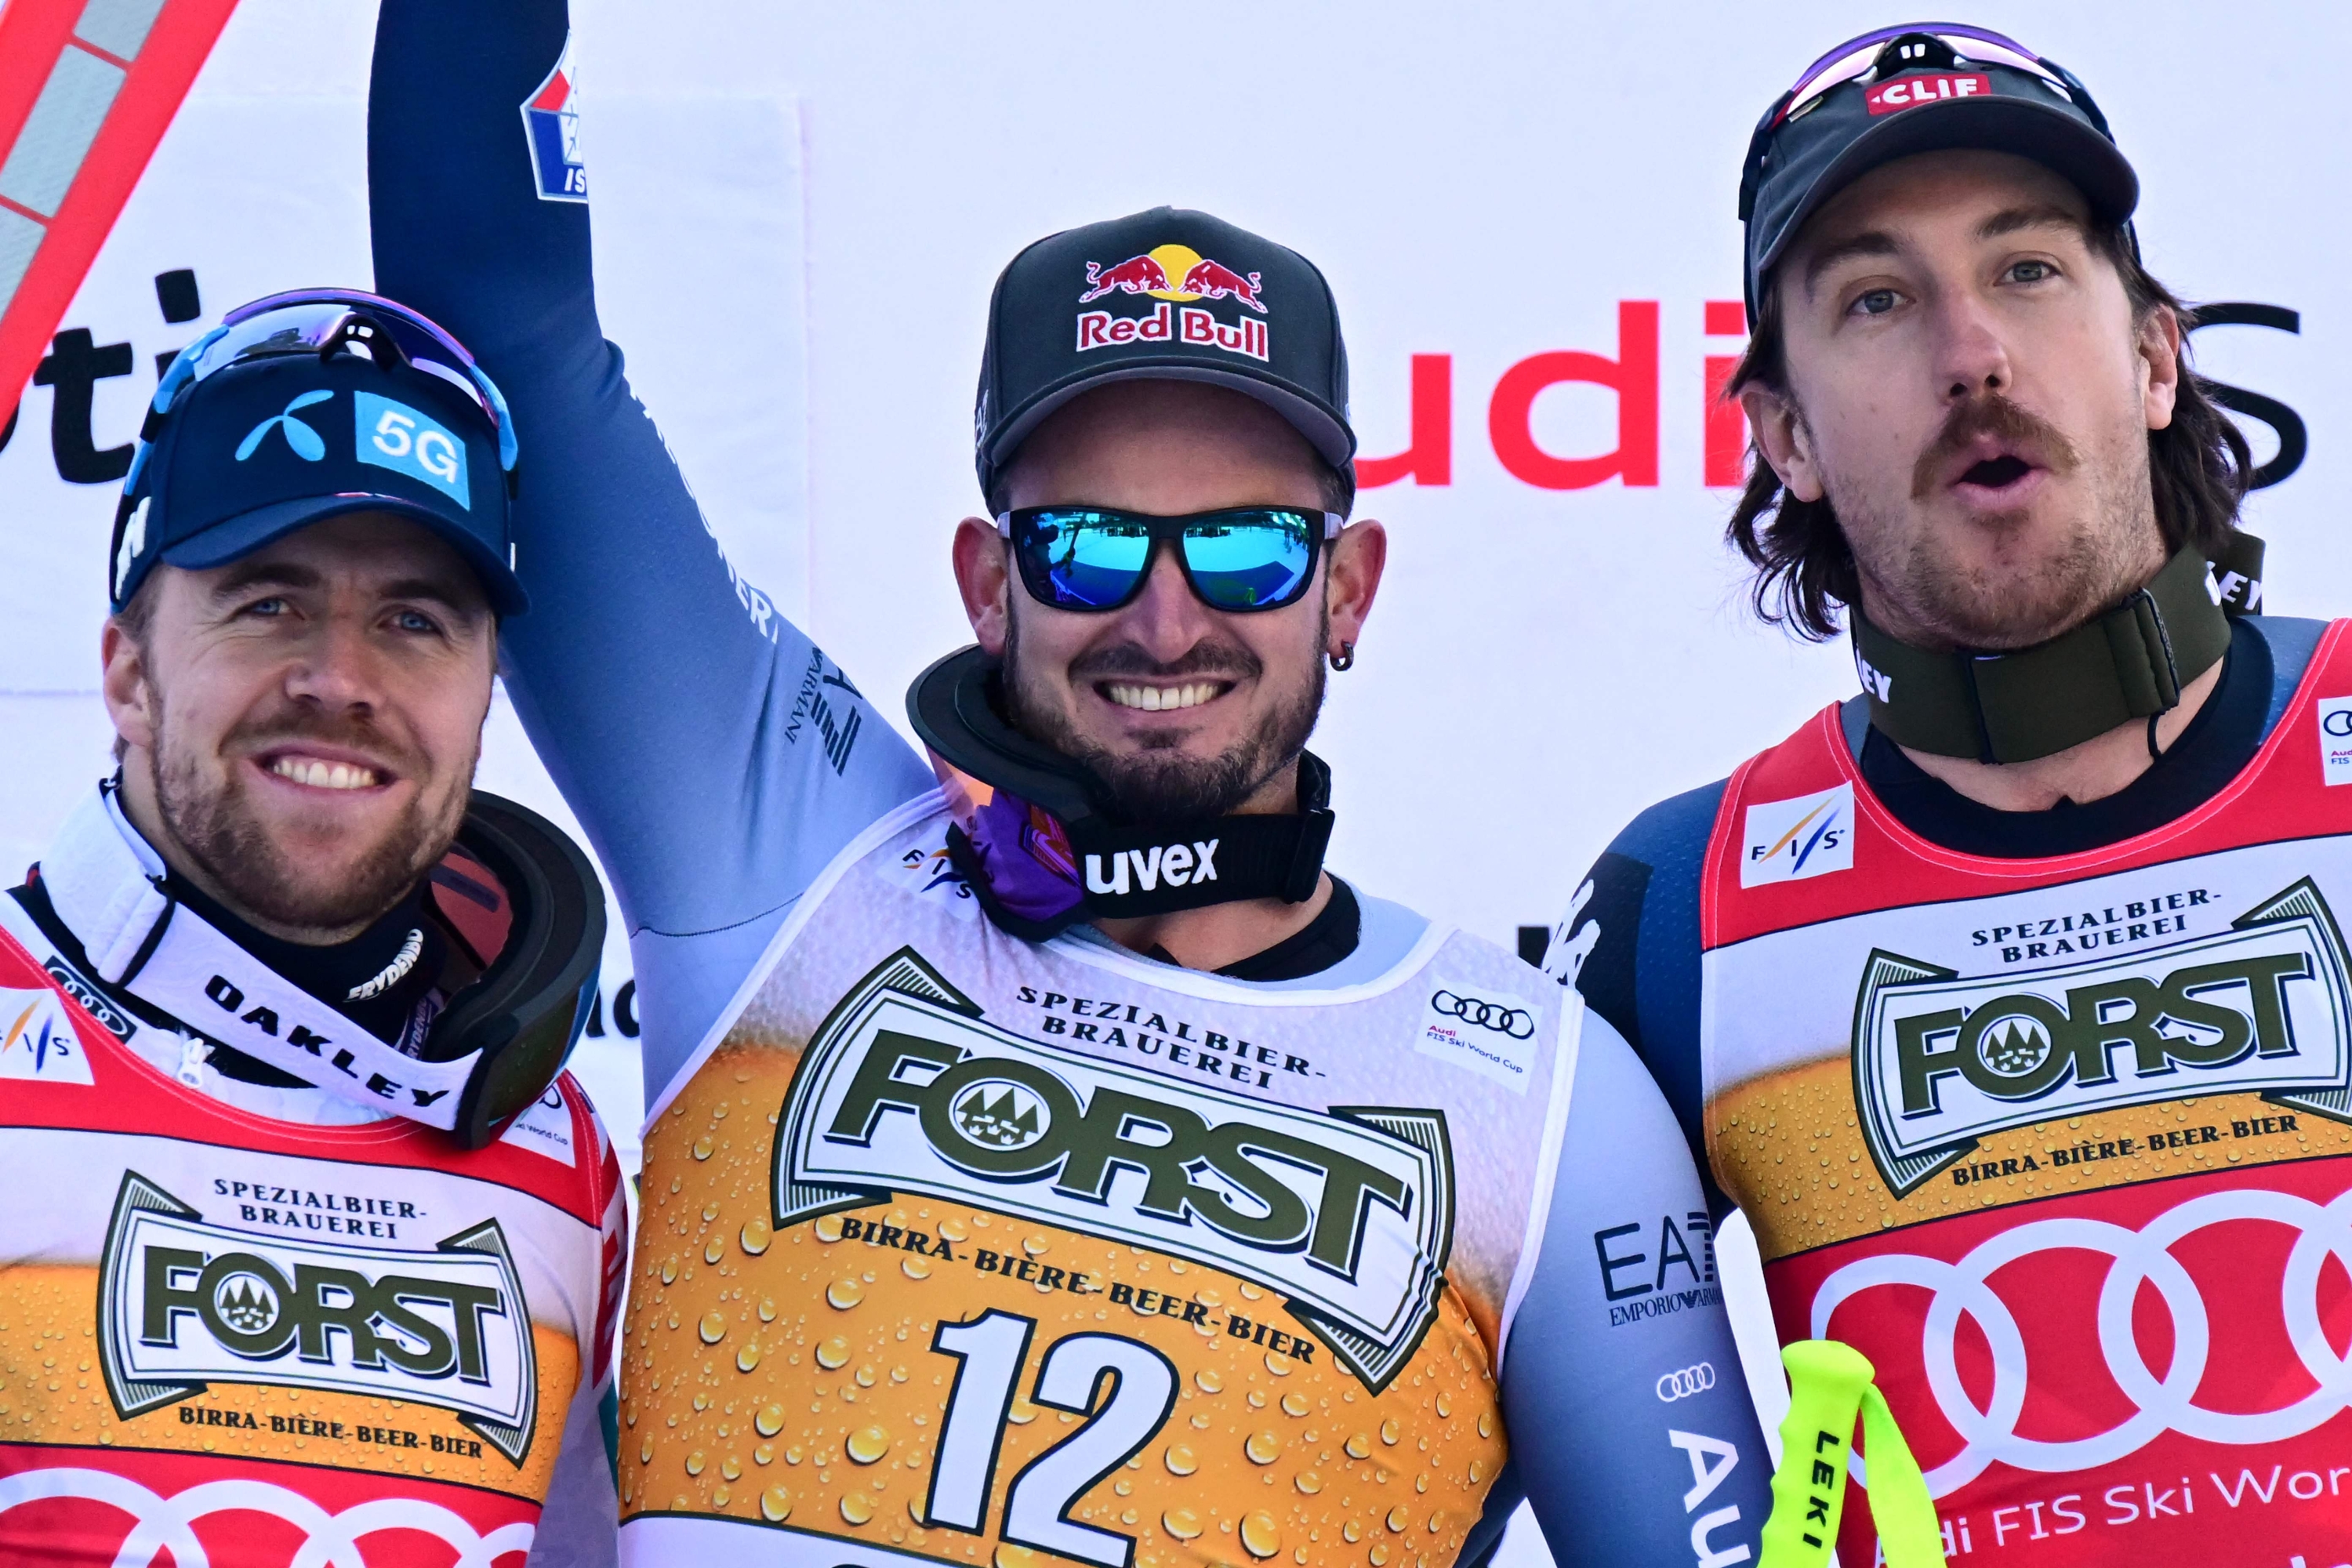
(1162, 295)
(1921, 87)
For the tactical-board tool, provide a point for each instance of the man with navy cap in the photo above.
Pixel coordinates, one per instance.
(1049, 1160)
(291, 1168)
(2008, 999)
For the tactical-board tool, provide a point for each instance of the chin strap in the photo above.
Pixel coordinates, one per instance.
(2012, 707)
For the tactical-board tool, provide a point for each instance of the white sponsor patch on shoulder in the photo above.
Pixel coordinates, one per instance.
(1487, 1031)
(37, 1039)
(1786, 840)
(544, 1127)
(2335, 740)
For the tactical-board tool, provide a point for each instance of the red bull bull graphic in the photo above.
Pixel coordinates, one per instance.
(1216, 281)
(1135, 275)
(1176, 318)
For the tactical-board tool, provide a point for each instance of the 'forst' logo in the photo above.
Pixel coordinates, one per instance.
(1001, 1115)
(184, 1304)
(244, 1304)
(1788, 840)
(306, 443)
(1347, 1213)
(1940, 1060)
(1181, 277)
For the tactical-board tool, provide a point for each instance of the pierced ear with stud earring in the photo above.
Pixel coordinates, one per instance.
(1346, 657)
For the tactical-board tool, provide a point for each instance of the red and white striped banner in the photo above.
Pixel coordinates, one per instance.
(86, 88)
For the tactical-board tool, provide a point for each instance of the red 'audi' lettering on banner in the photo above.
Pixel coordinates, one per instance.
(1632, 376)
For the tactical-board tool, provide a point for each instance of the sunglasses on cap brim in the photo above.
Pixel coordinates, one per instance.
(317, 321)
(1240, 559)
(1864, 57)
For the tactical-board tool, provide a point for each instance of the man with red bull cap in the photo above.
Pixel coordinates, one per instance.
(1049, 1160)
(2009, 998)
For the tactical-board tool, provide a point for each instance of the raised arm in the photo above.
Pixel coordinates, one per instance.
(1632, 1430)
(715, 758)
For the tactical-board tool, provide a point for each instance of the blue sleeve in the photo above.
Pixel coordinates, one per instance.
(1632, 1430)
(1629, 945)
(717, 759)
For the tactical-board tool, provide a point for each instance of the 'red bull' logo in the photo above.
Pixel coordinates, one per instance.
(1180, 276)
(1199, 278)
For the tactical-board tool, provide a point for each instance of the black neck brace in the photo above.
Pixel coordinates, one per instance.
(1042, 848)
(2012, 707)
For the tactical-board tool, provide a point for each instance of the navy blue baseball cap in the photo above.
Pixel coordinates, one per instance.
(292, 416)
(1920, 87)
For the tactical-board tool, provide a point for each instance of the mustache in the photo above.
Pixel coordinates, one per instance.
(1222, 660)
(1991, 414)
(288, 726)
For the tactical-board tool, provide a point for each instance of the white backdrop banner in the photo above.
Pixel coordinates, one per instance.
(1528, 211)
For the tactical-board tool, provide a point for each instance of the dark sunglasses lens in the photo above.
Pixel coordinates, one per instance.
(1083, 559)
(1252, 560)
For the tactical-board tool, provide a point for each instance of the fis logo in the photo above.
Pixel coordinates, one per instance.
(1940, 1060)
(550, 126)
(1348, 1213)
(1786, 840)
(184, 1304)
(1177, 275)
(37, 1039)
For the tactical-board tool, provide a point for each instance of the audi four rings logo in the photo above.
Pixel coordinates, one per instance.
(2143, 1261)
(1516, 1023)
(2338, 722)
(1689, 1381)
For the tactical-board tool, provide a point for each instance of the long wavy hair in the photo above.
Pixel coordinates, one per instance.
(2199, 467)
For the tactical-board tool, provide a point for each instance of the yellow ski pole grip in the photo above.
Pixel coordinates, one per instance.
(1829, 1387)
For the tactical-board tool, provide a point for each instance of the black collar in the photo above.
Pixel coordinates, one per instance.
(2217, 746)
(1313, 948)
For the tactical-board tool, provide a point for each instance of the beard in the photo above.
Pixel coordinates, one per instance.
(1159, 782)
(214, 822)
(2057, 572)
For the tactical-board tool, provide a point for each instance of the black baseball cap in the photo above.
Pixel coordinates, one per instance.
(1920, 87)
(1165, 295)
(265, 446)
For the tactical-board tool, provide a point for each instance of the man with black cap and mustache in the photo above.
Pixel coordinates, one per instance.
(1049, 1161)
(308, 1243)
(2009, 998)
